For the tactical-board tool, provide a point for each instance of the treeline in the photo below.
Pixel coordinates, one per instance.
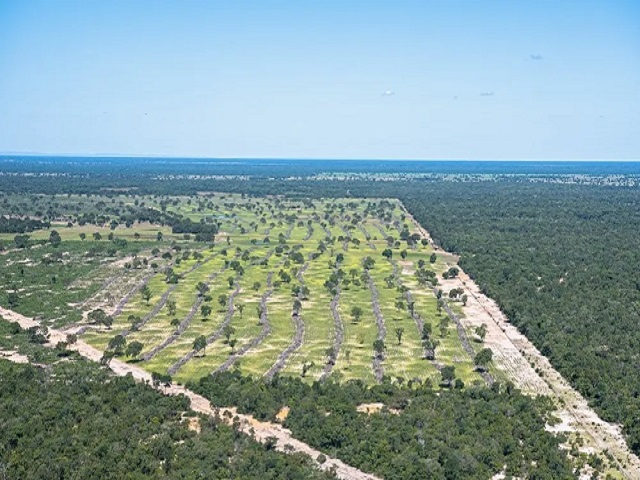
(73, 420)
(423, 434)
(21, 225)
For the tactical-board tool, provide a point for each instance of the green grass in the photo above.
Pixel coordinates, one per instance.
(258, 215)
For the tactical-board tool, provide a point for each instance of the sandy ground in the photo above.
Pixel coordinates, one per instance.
(519, 359)
(261, 431)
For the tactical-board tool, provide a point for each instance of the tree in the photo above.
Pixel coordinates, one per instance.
(13, 299)
(96, 236)
(451, 273)
(297, 305)
(72, 338)
(171, 307)
(444, 325)
(83, 236)
(106, 358)
(426, 330)
(159, 236)
(227, 331)
(136, 236)
(116, 344)
(223, 299)
(145, 291)
(256, 286)
(98, 316)
(379, 347)
(205, 310)
(231, 281)
(354, 272)
(403, 254)
(175, 322)
(202, 288)
(330, 353)
(483, 358)
(232, 343)
(368, 263)
(399, 304)
(356, 313)
(481, 331)
(387, 253)
(448, 375)
(433, 258)
(200, 343)
(306, 366)
(464, 299)
(134, 349)
(399, 331)
(430, 346)
(259, 311)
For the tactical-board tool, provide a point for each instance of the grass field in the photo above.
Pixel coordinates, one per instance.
(271, 254)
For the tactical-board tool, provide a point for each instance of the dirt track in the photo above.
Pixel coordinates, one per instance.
(261, 431)
(514, 355)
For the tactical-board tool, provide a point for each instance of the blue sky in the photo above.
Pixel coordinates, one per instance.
(322, 79)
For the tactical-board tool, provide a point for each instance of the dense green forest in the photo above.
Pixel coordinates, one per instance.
(74, 420)
(457, 434)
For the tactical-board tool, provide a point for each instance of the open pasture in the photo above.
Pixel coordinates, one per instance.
(305, 288)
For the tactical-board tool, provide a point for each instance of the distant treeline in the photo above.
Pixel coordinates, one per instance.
(21, 225)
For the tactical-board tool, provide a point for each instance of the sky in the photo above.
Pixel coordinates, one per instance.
(341, 79)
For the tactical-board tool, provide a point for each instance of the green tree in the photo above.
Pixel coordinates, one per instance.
(171, 307)
(483, 358)
(202, 288)
(200, 343)
(145, 291)
(116, 344)
(223, 299)
(227, 332)
(399, 332)
(379, 347)
(448, 374)
(433, 258)
(83, 236)
(134, 349)
(356, 313)
(205, 310)
(481, 331)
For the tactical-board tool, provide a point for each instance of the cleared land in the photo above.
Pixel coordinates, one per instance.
(295, 288)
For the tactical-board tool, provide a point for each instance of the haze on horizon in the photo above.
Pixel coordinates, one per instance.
(301, 79)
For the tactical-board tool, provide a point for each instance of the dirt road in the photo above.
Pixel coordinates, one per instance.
(261, 431)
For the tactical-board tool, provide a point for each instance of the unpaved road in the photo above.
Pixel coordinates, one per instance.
(514, 355)
(261, 431)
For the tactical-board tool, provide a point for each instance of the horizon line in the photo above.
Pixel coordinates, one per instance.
(269, 158)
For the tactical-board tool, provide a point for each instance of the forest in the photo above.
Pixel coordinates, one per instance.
(560, 258)
(72, 419)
